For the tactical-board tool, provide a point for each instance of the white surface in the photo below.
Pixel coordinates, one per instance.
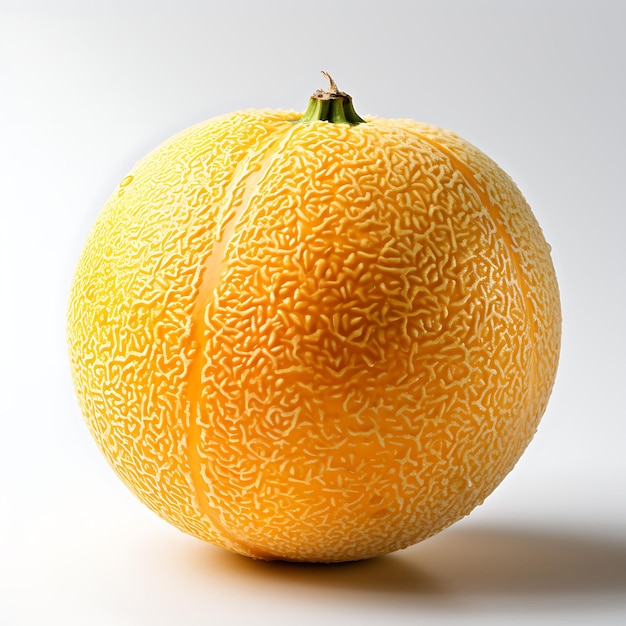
(87, 90)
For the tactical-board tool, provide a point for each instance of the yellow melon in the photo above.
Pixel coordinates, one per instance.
(314, 338)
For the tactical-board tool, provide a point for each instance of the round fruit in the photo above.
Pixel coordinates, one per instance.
(314, 338)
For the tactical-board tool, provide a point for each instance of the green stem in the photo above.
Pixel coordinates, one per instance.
(332, 106)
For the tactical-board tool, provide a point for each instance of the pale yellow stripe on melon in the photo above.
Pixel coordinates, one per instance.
(504, 236)
(250, 173)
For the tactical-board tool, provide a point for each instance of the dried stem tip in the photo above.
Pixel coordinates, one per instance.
(331, 106)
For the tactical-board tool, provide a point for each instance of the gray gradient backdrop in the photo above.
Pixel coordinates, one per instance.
(87, 88)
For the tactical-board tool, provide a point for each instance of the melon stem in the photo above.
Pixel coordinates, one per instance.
(332, 106)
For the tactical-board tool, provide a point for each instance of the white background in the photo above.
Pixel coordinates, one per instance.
(87, 88)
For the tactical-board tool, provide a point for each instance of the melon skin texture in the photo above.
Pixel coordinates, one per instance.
(314, 342)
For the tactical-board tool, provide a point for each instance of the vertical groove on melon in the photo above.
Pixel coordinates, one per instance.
(246, 181)
(505, 236)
